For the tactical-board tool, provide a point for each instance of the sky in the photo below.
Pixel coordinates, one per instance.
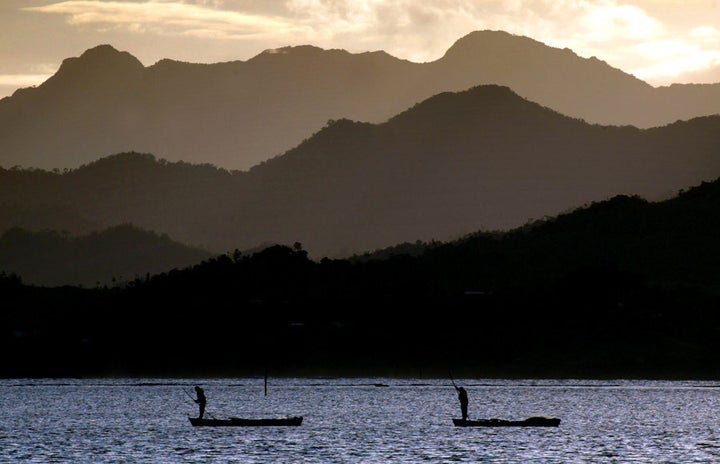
(659, 41)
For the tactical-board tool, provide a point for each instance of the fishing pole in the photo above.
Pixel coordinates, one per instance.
(452, 380)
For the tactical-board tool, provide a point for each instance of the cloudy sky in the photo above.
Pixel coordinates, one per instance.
(659, 41)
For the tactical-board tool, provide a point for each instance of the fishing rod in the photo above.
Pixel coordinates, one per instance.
(452, 380)
(188, 394)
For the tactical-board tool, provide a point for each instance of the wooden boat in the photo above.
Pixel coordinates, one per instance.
(529, 422)
(241, 422)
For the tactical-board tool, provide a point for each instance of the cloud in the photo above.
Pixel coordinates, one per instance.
(419, 31)
(614, 22)
(706, 34)
(423, 30)
(667, 59)
(22, 80)
(168, 18)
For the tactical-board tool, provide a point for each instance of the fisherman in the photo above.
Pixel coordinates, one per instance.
(462, 396)
(201, 401)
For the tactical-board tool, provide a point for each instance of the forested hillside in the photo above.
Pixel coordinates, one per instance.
(620, 288)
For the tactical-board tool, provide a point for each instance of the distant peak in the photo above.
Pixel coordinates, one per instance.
(487, 39)
(484, 34)
(102, 49)
(480, 91)
(103, 62)
(102, 57)
(490, 35)
(168, 64)
(295, 50)
(108, 53)
(290, 49)
(301, 52)
(485, 101)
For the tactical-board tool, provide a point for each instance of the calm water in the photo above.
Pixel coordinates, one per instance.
(352, 420)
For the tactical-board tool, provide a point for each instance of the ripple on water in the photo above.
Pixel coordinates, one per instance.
(353, 420)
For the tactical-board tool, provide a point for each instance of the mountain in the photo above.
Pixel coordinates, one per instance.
(239, 113)
(623, 288)
(114, 255)
(481, 159)
(671, 245)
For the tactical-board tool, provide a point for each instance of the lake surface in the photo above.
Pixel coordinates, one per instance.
(354, 421)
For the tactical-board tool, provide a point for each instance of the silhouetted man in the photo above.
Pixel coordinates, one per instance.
(462, 396)
(201, 401)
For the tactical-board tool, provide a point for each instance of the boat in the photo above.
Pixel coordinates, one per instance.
(529, 422)
(242, 422)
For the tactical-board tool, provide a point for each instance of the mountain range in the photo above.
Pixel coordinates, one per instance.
(458, 162)
(109, 257)
(546, 215)
(622, 288)
(237, 114)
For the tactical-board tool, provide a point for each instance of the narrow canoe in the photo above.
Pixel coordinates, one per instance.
(529, 422)
(241, 422)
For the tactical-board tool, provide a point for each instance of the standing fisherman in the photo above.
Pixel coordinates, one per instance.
(201, 401)
(462, 396)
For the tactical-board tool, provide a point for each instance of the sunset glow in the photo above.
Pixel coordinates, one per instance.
(661, 42)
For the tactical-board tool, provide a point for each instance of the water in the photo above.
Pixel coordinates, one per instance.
(354, 421)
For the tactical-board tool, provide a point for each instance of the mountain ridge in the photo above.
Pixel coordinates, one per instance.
(111, 256)
(238, 113)
(622, 288)
(481, 159)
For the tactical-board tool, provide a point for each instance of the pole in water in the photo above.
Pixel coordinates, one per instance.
(266, 381)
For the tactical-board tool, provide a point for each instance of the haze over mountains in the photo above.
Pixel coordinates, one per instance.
(237, 114)
(481, 159)
(621, 289)
(110, 257)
